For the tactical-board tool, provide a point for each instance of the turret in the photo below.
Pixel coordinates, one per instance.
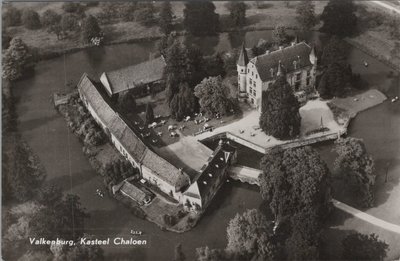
(313, 56)
(242, 71)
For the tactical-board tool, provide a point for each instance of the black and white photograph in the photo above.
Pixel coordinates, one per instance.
(200, 130)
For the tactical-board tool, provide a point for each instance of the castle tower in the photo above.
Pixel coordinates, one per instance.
(242, 71)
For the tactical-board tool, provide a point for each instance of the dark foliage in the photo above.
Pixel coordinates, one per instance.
(90, 29)
(339, 18)
(184, 103)
(149, 114)
(280, 115)
(237, 13)
(363, 247)
(335, 81)
(165, 21)
(200, 18)
(50, 18)
(30, 19)
(11, 17)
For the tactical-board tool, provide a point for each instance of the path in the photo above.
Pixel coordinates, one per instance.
(366, 217)
(387, 6)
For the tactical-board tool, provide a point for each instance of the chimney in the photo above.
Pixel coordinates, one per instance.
(293, 43)
(280, 47)
(267, 52)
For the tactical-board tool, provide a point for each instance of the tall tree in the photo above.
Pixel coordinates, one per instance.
(250, 235)
(237, 13)
(358, 246)
(306, 14)
(339, 18)
(149, 113)
(335, 81)
(213, 96)
(335, 51)
(90, 29)
(357, 166)
(280, 36)
(17, 60)
(280, 115)
(165, 20)
(179, 255)
(183, 103)
(293, 180)
(200, 18)
(30, 19)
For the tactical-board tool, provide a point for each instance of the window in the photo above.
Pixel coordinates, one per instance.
(252, 100)
(251, 81)
(308, 73)
(308, 81)
(254, 92)
(298, 77)
(252, 73)
(256, 76)
(242, 70)
(251, 90)
(248, 70)
(254, 83)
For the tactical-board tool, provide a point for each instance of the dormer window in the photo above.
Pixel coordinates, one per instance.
(204, 182)
(210, 175)
(295, 65)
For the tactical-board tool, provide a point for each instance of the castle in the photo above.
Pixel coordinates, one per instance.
(256, 73)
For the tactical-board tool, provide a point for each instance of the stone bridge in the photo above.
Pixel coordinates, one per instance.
(244, 174)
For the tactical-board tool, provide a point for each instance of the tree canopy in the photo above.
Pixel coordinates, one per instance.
(237, 13)
(293, 180)
(165, 20)
(213, 96)
(11, 17)
(339, 18)
(357, 166)
(358, 246)
(279, 35)
(335, 81)
(184, 103)
(306, 14)
(200, 18)
(90, 29)
(335, 51)
(149, 113)
(280, 115)
(17, 60)
(50, 18)
(250, 235)
(30, 19)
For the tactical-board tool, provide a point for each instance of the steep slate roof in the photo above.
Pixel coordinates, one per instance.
(299, 52)
(136, 75)
(165, 170)
(243, 58)
(128, 138)
(205, 181)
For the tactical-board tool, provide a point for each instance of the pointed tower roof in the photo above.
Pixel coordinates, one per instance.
(296, 39)
(313, 53)
(243, 58)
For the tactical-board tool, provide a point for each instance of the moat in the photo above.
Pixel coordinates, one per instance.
(61, 154)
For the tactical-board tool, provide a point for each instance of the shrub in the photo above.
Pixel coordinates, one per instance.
(50, 18)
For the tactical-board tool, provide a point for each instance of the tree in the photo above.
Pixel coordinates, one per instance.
(30, 19)
(50, 18)
(250, 235)
(184, 103)
(335, 51)
(90, 29)
(78, 252)
(149, 114)
(306, 14)
(237, 13)
(127, 103)
(215, 65)
(69, 22)
(393, 23)
(357, 166)
(71, 7)
(165, 20)
(339, 18)
(145, 14)
(279, 35)
(305, 236)
(127, 11)
(358, 246)
(17, 60)
(293, 180)
(280, 115)
(335, 81)
(213, 96)
(200, 18)
(11, 17)
(179, 255)
(5, 40)
(65, 219)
